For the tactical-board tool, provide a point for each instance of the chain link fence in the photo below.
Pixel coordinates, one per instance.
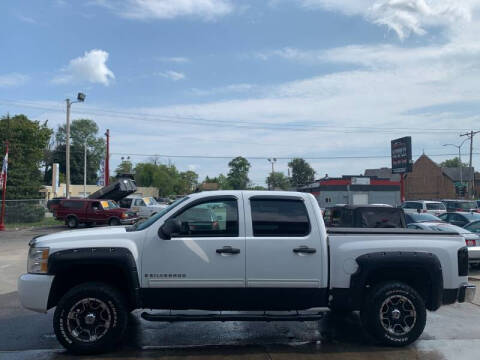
(25, 212)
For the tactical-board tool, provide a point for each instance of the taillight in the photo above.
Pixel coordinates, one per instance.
(424, 210)
(215, 225)
(462, 256)
(470, 242)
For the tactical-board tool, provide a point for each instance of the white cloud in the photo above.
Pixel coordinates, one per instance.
(172, 75)
(169, 9)
(174, 59)
(13, 79)
(402, 16)
(27, 19)
(91, 67)
(228, 89)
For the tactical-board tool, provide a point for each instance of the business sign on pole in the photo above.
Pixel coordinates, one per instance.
(101, 175)
(402, 155)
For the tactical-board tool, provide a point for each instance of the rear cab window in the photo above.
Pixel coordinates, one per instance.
(435, 206)
(72, 204)
(279, 217)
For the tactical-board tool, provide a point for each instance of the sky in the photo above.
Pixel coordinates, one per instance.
(198, 82)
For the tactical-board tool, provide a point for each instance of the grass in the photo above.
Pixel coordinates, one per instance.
(47, 221)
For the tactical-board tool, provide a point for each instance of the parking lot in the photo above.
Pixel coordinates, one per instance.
(451, 333)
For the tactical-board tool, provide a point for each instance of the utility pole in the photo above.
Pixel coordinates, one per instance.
(471, 189)
(107, 159)
(85, 170)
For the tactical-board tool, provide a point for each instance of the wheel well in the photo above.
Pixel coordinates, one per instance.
(417, 278)
(79, 274)
(113, 218)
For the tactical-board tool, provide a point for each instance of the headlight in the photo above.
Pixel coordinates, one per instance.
(38, 260)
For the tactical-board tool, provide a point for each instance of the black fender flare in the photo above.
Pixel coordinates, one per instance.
(400, 262)
(61, 262)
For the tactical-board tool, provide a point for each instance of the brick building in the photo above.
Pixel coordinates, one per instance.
(429, 181)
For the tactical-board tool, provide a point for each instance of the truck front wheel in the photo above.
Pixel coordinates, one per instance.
(90, 318)
(394, 314)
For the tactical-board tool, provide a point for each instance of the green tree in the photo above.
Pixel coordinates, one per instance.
(81, 131)
(125, 167)
(278, 180)
(27, 143)
(238, 174)
(166, 178)
(452, 163)
(188, 182)
(302, 173)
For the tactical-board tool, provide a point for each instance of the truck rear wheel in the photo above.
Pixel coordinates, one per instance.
(90, 318)
(394, 314)
(72, 222)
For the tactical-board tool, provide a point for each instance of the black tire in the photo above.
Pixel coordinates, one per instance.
(387, 301)
(114, 222)
(109, 305)
(72, 222)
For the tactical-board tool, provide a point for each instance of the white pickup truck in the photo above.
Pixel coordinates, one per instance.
(241, 251)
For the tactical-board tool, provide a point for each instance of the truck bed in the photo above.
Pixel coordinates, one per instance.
(385, 231)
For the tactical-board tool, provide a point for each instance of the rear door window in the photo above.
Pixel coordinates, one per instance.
(279, 217)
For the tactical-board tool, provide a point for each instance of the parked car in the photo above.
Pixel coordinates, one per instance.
(473, 226)
(90, 211)
(365, 216)
(421, 217)
(52, 204)
(143, 206)
(272, 253)
(461, 205)
(425, 206)
(472, 240)
(459, 218)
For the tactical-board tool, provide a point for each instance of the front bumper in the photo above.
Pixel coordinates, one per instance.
(474, 254)
(129, 221)
(34, 290)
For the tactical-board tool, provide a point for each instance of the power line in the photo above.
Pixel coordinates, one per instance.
(199, 121)
(277, 157)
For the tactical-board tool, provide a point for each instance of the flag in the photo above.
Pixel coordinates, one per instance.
(3, 174)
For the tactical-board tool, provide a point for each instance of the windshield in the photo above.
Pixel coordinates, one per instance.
(448, 227)
(423, 217)
(150, 201)
(472, 216)
(141, 225)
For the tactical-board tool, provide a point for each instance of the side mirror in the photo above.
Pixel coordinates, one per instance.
(169, 228)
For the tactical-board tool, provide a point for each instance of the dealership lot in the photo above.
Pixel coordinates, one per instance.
(451, 333)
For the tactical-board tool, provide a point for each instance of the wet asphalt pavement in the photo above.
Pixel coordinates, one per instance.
(453, 332)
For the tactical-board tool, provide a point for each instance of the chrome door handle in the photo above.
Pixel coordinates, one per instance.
(304, 250)
(228, 250)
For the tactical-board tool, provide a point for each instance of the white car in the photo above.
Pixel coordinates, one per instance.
(472, 239)
(259, 255)
(426, 206)
(143, 206)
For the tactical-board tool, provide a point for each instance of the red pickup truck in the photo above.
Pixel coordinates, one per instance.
(91, 211)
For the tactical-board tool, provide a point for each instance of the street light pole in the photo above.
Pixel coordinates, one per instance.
(470, 136)
(459, 147)
(272, 161)
(80, 98)
(67, 151)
